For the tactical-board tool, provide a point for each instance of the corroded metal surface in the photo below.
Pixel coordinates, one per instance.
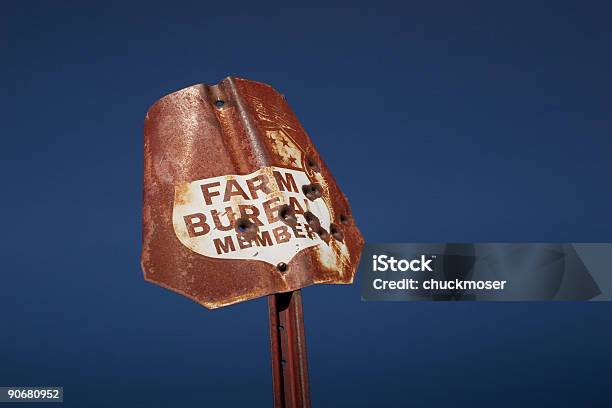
(237, 201)
(288, 350)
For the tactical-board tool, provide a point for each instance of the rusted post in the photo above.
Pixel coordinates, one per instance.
(288, 351)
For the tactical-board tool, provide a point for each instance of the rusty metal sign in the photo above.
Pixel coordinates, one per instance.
(238, 203)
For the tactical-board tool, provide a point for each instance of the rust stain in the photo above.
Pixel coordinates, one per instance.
(181, 192)
(236, 128)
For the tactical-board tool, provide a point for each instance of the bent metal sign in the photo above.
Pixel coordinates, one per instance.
(237, 202)
(256, 216)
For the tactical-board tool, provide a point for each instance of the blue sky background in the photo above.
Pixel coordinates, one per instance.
(473, 121)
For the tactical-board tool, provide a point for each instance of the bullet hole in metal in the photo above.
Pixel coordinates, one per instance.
(344, 219)
(312, 164)
(244, 225)
(323, 234)
(336, 232)
(282, 267)
(287, 214)
(219, 103)
(310, 217)
(312, 191)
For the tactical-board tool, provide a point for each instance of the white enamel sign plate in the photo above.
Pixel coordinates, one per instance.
(205, 214)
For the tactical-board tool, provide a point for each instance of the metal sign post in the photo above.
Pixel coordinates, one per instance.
(288, 350)
(238, 204)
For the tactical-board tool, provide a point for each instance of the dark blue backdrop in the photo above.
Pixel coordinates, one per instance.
(476, 121)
